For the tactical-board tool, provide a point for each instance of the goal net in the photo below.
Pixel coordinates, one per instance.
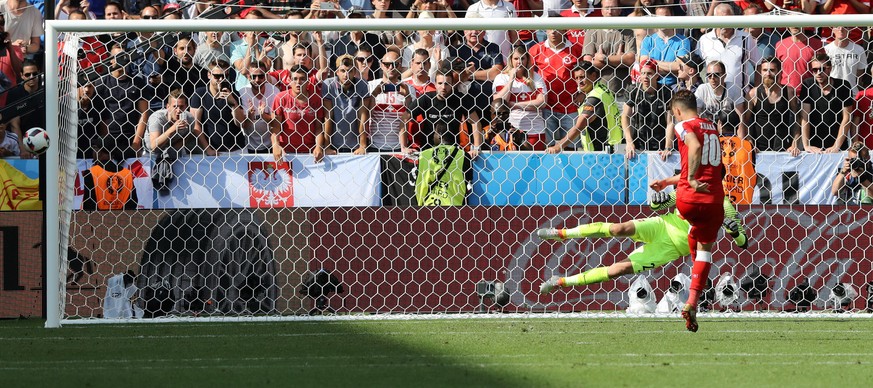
(418, 158)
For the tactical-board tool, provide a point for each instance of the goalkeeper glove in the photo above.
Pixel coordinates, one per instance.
(734, 229)
(663, 199)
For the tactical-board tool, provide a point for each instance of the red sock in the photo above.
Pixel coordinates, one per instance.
(699, 274)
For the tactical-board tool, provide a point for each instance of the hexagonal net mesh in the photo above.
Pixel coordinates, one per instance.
(293, 172)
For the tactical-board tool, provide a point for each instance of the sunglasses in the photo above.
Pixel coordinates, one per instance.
(147, 17)
(714, 75)
(29, 75)
(816, 70)
(391, 64)
(218, 75)
(362, 59)
(258, 75)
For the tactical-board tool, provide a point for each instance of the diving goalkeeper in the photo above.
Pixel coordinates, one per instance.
(664, 238)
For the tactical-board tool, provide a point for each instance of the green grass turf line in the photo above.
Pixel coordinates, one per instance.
(499, 353)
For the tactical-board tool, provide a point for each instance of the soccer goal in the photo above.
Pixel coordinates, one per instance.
(181, 212)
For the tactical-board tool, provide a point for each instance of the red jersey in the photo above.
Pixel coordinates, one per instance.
(555, 66)
(300, 121)
(578, 36)
(864, 111)
(711, 168)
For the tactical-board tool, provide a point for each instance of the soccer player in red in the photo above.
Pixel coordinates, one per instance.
(699, 191)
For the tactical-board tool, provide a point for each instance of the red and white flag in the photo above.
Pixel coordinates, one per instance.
(271, 184)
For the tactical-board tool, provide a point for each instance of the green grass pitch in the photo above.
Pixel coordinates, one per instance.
(557, 352)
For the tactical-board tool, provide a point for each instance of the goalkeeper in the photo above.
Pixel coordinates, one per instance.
(664, 238)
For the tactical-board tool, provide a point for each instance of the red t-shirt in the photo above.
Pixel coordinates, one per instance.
(795, 57)
(300, 121)
(577, 36)
(711, 168)
(844, 7)
(523, 11)
(556, 68)
(864, 110)
(283, 79)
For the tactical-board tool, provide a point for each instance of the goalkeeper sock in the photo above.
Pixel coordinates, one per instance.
(591, 276)
(594, 229)
(699, 274)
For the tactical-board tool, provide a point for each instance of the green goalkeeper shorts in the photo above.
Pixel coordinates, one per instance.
(664, 238)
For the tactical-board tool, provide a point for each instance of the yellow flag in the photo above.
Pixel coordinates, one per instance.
(19, 192)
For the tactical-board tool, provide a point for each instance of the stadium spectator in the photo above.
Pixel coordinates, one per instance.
(24, 26)
(382, 10)
(500, 134)
(555, 58)
(826, 110)
(182, 72)
(10, 64)
(148, 55)
(254, 46)
(10, 145)
(114, 11)
(364, 62)
(119, 99)
(721, 102)
(862, 116)
(553, 8)
(733, 48)
(853, 183)
(645, 118)
(664, 47)
(92, 50)
(483, 62)
(344, 97)
(773, 110)
(427, 41)
(257, 101)
(350, 42)
(527, 9)
(419, 73)
(844, 7)
(599, 120)
(699, 192)
(88, 123)
(643, 8)
(301, 56)
(688, 77)
(214, 46)
(298, 117)
(795, 52)
(171, 130)
(765, 39)
(847, 58)
(495, 9)
(443, 106)
(64, 8)
(385, 112)
(217, 112)
(525, 93)
(365, 7)
(579, 9)
(612, 51)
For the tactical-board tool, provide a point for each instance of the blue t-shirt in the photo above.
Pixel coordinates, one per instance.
(345, 111)
(656, 48)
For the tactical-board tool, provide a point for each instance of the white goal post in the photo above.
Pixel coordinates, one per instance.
(786, 259)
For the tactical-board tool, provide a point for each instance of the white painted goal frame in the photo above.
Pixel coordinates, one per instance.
(59, 180)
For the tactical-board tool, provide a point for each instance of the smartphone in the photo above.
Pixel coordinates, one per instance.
(325, 5)
(389, 88)
(225, 85)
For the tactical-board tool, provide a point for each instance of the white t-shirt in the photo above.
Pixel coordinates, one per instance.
(712, 107)
(10, 143)
(739, 62)
(847, 62)
(531, 122)
(258, 133)
(502, 9)
(387, 117)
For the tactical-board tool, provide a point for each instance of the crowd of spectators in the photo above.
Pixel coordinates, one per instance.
(217, 93)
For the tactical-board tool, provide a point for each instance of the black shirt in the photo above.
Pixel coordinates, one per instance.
(485, 58)
(217, 121)
(178, 77)
(649, 119)
(827, 110)
(116, 100)
(450, 111)
(35, 118)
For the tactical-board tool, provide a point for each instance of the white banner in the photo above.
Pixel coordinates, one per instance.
(782, 179)
(255, 181)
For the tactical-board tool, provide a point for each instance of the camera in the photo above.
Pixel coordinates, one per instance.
(858, 165)
(457, 64)
(389, 88)
(225, 85)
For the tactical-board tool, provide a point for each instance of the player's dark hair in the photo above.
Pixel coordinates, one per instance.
(684, 100)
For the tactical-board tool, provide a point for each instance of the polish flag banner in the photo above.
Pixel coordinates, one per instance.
(271, 184)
